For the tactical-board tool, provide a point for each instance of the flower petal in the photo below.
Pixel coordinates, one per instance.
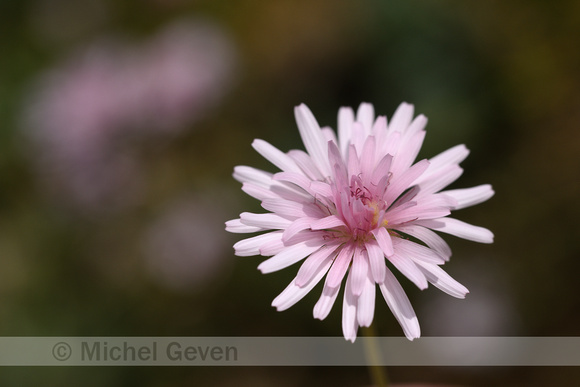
(312, 137)
(467, 197)
(251, 246)
(349, 306)
(406, 266)
(365, 310)
(345, 121)
(400, 306)
(289, 256)
(264, 221)
(314, 262)
(376, 258)
(430, 238)
(236, 226)
(340, 266)
(294, 293)
(325, 302)
(358, 271)
(384, 240)
(459, 229)
(440, 279)
(275, 156)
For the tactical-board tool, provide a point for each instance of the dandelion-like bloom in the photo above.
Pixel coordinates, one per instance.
(352, 204)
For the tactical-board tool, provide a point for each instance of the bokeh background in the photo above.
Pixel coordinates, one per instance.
(121, 122)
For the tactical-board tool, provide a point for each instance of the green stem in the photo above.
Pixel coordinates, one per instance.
(378, 373)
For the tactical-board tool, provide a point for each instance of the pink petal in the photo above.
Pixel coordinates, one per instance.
(400, 306)
(294, 293)
(314, 262)
(289, 256)
(327, 223)
(366, 303)
(409, 269)
(345, 121)
(470, 196)
(366, 115)
(265, 221)
(298, 225)
(251, 246)
(405, 180)
(419, 252)
(401, 118)
(349, 320)
(275, 156)
(376, 259)
(245, 174)
(236, 226)
(358, 271)
(339, 267)
(430, 238)
(325, 302)
(312, 137)
(459, 229)
(384, 240)
(440, 279)
(439, 179)
(453, 155)
(303, 160)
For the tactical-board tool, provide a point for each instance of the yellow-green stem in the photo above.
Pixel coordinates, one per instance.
(378, 373)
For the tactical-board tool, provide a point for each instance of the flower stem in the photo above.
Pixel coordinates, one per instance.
(377, 372)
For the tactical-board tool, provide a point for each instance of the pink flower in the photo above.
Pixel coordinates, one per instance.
(356, 206)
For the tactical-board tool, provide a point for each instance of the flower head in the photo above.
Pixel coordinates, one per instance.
(357, 205)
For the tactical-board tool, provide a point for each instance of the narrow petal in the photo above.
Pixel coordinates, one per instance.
(434, 182)
(289, 256)
(264, 221)
(275, 156)
(340, 266)
(409, 269)
(453, 155)
(358, 271)
(467, 197)
(320, 258)
(245, 174)
(298, 225)
(384, 240)
(401, 118)
(376, 259)
(419, 252)
(251, 246)
(405, 180)
(325, 302)
(366, 115)
(294, 293)
(236, 226)
(459, 229)
(327, 223)
(349, 305)
(304, 161)
(430, 238)
(366, 302)
(440, 279)
(407, 153)
(321, 188)
(286, 208)
(399, 304)
(345, 121)
(314, 141)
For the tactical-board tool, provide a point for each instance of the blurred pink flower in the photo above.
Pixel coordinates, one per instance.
(349, 202)
(185, 247)
(84, 116)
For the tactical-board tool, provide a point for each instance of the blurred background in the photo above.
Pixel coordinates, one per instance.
(121, 122)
